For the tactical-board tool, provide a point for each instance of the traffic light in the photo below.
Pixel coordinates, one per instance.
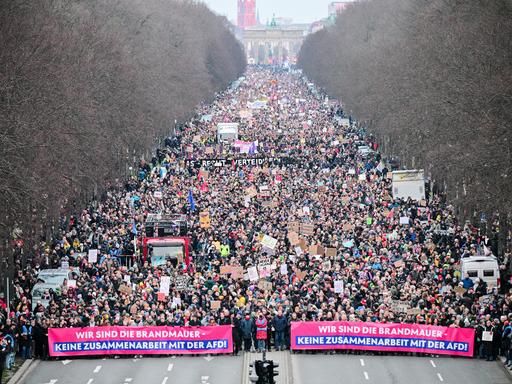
(272, 371)
(263, 372)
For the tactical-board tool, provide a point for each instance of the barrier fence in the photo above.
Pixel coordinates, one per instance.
(315, 335)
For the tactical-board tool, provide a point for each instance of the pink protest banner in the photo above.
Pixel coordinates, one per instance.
(382, 337)
(139, 340)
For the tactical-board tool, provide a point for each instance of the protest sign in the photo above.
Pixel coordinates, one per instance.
(301, 274)
(160, 296)
(159, 340)
(338, 286)
(126, 279)
(165, 285)
(72, 283)
(404, 220)
(225, 269)
(307, 229)
(347, 227)
(92, 256)
(268, 241)
(487, 336)
(298, 250)
(251, 191)
(388, 337)
(253, 273)
(398, 306)
(125, 289)
(208, 150)
(181, 282)
(237, 272)
(158, 194)
(330, 252)
(293, 238)
(265, 270)
(215, 304)
(283, 269)
(414, 311)
(459, 290)
(293, 226)
(265, 285)
(204, 219)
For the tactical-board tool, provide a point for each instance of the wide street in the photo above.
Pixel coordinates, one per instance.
(352, 369)
(193, 370)
(305, 369)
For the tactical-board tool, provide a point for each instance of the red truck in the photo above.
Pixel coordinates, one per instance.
(165, 240)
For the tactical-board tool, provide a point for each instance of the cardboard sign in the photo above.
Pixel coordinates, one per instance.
(215, 304)
(347, 227)
(293, 226)
(460, 290)
(125, 289)
(307, 229)
(301, 274)
(316, 250)
(225, 269)
(293, 237)
(414, 311)
(92, 256)
(196, 139)
(160, 296)
(208, 150)
(237, 272)
(251, 191)
(204, 220)
(330, 252)
(398, 306)
(265, 285)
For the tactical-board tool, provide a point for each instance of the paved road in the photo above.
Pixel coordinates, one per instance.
(351, 369)
(185, 370)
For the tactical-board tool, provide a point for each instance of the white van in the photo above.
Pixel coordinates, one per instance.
(484, 267)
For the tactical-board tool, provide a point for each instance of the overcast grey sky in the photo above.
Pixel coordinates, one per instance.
(301, 11)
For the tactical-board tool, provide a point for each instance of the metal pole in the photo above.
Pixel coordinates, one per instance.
(8, 295)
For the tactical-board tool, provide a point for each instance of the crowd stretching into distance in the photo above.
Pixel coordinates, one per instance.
(354, 235)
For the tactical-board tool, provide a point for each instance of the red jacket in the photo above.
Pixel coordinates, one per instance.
(261, 328)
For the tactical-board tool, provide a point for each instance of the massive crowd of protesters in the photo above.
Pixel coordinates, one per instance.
(321, 180)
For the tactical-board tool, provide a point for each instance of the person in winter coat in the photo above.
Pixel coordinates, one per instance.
(247, 328)
(4, 350)
(488, 343)
(237, 334)
(506, 337)
(280, 324)
(261, 331)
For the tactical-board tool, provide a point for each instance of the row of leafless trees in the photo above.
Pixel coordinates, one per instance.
(87, 86)
(434, 81)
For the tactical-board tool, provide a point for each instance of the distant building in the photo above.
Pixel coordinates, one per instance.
(246, 13)
(273, 43)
